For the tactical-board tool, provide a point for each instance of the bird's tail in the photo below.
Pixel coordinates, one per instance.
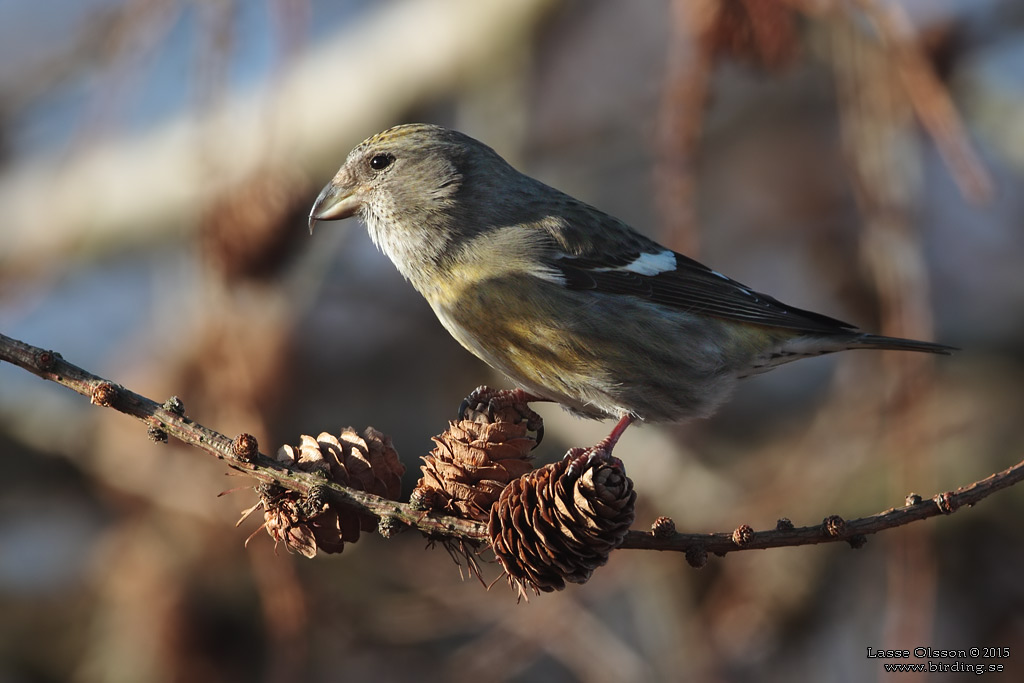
(876, 341)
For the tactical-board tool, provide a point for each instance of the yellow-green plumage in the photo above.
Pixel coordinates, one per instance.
(569, 302)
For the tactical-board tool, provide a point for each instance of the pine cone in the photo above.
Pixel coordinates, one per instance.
(560, 522)
(475, 459)
(285, 521)
(366, 463)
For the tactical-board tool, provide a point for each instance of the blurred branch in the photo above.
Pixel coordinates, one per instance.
(703, 33)
(930, 98)
(680, 117)
(321, 104)
(241, 453)
(883, 152)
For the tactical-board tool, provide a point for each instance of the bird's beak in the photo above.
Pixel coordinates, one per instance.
(336, 201)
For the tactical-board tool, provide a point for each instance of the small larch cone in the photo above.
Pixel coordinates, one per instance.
(474, 459)
(366, 462)
(560, 522)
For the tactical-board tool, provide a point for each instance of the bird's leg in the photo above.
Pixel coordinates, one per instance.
(490, 404)
(608, 443)
(578, 457)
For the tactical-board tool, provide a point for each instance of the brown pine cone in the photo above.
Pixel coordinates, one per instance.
(366, 463)
(475, 459)
(560, 522)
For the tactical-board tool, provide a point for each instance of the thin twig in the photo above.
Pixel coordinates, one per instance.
(169, 420)
(834, 529)
(50, 365)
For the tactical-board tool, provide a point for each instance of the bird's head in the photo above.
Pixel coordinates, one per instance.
(405, 183)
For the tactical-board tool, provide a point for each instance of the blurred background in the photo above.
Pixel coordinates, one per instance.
(862, 158)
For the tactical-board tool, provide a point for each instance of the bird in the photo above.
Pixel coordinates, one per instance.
(570, 303)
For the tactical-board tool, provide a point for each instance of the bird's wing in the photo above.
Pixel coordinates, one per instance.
(592, 250)
(676, 281)
(600, 253)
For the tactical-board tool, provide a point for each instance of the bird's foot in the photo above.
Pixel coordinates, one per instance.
(608, 443)
(485, 404)
(580, 458)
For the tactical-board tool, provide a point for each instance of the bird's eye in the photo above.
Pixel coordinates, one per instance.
(381, 161)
